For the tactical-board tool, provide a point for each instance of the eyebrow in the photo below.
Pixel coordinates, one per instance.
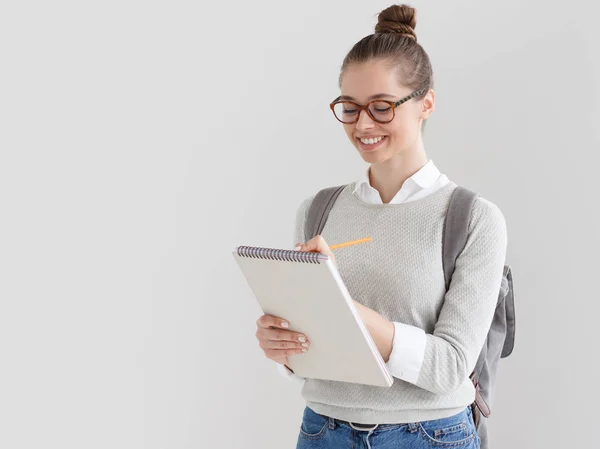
(372, 97)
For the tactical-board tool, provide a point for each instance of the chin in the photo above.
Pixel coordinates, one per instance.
(374, 157)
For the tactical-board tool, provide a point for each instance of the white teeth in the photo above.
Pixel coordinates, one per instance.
(371, 141)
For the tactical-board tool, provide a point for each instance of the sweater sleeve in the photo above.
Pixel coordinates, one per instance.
(452, 350)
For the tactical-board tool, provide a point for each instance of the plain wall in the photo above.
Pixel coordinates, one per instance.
(141, 142)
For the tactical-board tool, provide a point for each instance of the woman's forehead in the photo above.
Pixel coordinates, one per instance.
(363, 82)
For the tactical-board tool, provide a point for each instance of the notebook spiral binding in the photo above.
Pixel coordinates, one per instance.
(281, 254)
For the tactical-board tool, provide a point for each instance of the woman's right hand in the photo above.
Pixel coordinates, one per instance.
(277, 341)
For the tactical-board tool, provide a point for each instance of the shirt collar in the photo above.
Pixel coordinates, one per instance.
(425, 177)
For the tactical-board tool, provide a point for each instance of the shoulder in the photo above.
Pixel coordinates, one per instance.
(303, 207)
(487, 217)
(305, 204)
(486, 208)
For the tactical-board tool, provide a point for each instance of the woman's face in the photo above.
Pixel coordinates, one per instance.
(360, 83)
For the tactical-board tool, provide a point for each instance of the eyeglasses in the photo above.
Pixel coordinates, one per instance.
(382, 111)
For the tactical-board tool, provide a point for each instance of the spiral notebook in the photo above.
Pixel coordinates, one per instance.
(306, 289)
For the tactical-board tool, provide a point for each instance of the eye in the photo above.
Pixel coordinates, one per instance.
(380, 107)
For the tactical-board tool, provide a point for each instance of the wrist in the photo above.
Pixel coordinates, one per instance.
(388, 340)
(383, 333)
(382, 330)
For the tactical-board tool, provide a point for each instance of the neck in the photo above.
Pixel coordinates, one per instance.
(387, 177)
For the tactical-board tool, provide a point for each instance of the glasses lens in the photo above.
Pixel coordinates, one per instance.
(381, 111)
(346, 112)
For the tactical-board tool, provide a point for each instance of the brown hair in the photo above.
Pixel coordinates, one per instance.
(395, 42)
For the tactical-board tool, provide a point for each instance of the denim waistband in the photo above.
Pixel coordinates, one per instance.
(369, 427)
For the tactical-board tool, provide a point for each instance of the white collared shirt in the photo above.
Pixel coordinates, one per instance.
(409, 342)
(424, 182)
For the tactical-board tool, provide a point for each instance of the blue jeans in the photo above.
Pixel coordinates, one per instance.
(457, 432)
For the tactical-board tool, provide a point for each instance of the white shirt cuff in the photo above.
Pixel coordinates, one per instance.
(408, 352)
(287, 373)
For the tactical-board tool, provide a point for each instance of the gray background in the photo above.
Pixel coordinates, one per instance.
(141, 142)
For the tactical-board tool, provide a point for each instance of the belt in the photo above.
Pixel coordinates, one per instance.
(366, 427)
(356, 425)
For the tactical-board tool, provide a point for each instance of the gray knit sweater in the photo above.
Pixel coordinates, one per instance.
(399, 274)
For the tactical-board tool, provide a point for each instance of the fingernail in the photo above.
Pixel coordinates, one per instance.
(305, 345)
(297, 248)
(304, 350)
(302, 339)
(285, 324)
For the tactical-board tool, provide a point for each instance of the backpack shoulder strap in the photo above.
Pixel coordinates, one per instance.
(456, 223)
(509, 303)
(456, 229)
(319, 209)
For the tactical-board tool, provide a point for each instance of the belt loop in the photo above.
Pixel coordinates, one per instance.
(413, 427)
(331, 423)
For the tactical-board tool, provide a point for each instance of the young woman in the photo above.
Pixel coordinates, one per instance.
(429, 338)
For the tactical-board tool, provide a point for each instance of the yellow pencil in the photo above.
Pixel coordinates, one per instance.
(353, 242)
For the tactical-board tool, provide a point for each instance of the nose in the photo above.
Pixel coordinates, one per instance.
(364, 120)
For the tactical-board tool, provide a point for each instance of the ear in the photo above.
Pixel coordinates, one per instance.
(427, 105)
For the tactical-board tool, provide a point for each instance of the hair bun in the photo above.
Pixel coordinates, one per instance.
(398, 19)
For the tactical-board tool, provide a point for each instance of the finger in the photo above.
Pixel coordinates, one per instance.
(274, 344)
(280, 353)
(267, 321)
(281, 335)
(317, 244)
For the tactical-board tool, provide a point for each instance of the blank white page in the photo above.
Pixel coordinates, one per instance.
(316, 302)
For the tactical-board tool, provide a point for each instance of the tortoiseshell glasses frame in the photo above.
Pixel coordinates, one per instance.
(383, 113)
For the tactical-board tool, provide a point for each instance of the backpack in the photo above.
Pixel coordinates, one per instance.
(500, 340)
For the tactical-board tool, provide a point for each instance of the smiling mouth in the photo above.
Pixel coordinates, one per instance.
(371, 143)
(371, 140)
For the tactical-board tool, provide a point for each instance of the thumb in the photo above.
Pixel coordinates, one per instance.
(318, 244)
